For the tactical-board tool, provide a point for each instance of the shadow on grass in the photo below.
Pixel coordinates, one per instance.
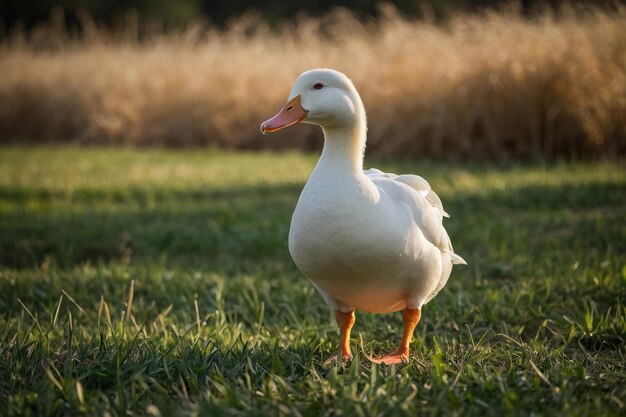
(181, 227)
(235, 228)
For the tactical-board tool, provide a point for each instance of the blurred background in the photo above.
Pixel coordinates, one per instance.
(451, 79)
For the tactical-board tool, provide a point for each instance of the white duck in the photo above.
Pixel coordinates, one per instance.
(366, 239)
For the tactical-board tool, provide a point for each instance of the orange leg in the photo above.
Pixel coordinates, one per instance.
(345, 321)
(410, 318)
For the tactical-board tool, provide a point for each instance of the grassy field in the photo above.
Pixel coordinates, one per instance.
(159, 283)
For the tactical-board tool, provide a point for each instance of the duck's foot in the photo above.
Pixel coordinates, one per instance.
(345, 321)
(410, 317)
(335, 357)
(396, 357)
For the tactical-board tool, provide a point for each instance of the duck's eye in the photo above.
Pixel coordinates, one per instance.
(318, 86)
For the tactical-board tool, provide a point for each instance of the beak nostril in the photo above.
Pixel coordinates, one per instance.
(290, 114)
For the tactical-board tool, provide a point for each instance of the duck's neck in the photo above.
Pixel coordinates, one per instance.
(344, 148)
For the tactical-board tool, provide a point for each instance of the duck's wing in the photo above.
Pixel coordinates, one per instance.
(416, 182)
(427, 208)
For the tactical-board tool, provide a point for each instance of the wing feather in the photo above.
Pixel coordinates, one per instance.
(429, 217)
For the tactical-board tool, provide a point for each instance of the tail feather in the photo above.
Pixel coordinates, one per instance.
(457, 260)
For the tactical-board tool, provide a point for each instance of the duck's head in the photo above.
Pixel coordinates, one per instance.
(322, 97)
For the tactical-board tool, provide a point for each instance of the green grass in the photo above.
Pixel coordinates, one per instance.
(159, 283)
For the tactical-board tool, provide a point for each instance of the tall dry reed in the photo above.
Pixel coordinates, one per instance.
(490, 86)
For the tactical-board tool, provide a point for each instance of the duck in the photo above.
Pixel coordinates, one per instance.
(367, 240)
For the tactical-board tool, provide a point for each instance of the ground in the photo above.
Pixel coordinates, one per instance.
(159, 283)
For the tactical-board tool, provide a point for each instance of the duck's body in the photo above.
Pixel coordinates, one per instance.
(360, 239)
(366, 239)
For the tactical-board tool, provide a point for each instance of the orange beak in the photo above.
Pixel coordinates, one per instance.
(289, 115)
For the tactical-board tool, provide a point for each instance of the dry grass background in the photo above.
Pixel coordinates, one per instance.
(490, 86)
